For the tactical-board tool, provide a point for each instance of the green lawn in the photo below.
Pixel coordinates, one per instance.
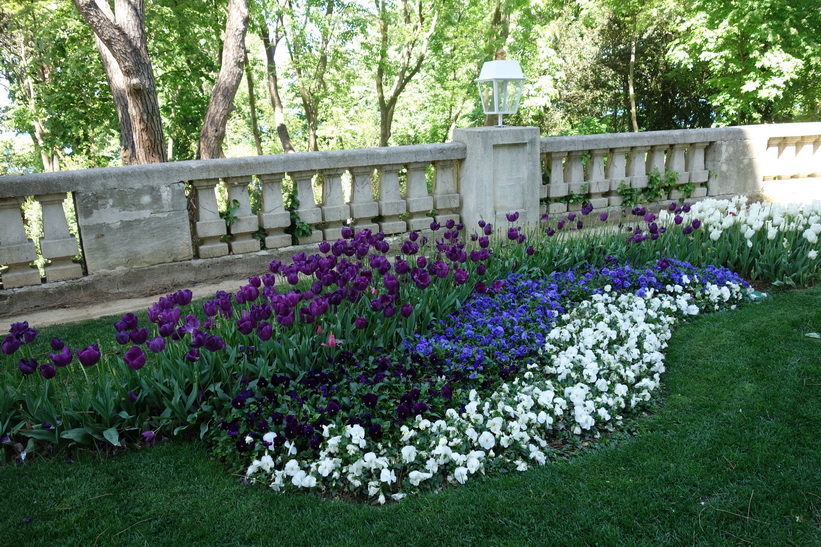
(733, 455)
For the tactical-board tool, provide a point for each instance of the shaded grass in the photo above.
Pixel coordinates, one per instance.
(731, 456)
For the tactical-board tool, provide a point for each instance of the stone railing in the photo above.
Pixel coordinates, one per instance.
(147, 229)
(602, 169)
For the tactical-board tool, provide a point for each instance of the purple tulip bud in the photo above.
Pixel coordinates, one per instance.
(47, 371)
(156, 344)
(678, 219)
(132, 397)
(512, 217)
(406, 310)
(512, 233)
(530, 250)
(550, 232)
(215, 343)
(148, 436)
(346, 232)
(89, 356)
(480, 269)
(560, 224)
(193, 355)
(134, 358)
(435, 226)
(484, 242)
(686, 208)
(488, 229)
(579, 225)
(603, 217)
(480, 287)
(57, 344)
(696, 224)
(688, 230)
(360, 323)
(324, 247)
(130, 321)
(293, 278)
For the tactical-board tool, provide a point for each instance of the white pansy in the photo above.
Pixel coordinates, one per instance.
(291, 468)
(409, 453)
(461, 474)
(387, 476)
(487, 440)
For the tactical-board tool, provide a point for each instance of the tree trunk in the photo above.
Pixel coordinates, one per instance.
(273, 84)
(121, 41)
(225, 89)
(252, 104)
(630, 79)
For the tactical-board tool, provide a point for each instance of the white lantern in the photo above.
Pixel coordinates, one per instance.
(500, 87)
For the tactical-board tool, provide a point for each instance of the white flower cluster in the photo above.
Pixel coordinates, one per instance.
(778, 221)
(601, 359)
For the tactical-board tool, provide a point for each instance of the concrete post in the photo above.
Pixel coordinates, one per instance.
(501, 174)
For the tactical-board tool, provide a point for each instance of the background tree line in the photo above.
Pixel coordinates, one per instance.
(102, 82)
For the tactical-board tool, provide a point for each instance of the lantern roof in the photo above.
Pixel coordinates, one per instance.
(500, 70)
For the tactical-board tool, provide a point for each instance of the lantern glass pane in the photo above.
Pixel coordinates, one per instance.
(488, 99)
(513, 96)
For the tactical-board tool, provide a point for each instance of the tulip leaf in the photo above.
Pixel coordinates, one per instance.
(78, 435)
(112, 436)
(813, 335)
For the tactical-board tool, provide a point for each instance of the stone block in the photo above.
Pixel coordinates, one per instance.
(339, 213)
(615, 201)
(700, 192)
(420, 205)
(365, 224)
(59, 247)
(315, 237)
(558, 207)
(573, 207)
(600, 203)
(310, 216)
(599, 186)
(212, 250)
(699, 176)
(364, 210)
(275, 220)
(557, 190)
(393, 227)
(275, 241)
(442, 219)
(446, 201)
(332, 234)
(246, 244)
(638, 181)
(245, 225)
(22, 277)
(422, 223)
(22, 253)
(392, 208)
(211, 228)
(63, 272)
(579, 188)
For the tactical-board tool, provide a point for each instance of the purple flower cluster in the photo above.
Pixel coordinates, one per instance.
(21, 334)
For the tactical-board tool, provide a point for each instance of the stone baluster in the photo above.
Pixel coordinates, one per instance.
(246, 223)
(419, 201)
(816, 154)
(557, 188)
(363, 207)
(676, 161)
(309, 212)
(273, 217)
(656, 159)
(770, 158)
(210, 227)
(696, 168)
(617, 175)
(446, 199)
(391, 204)
(787, 157)
(57, 244)
(574, 176)
(597, 183)
(335, 212)
(804, 151)
(16, 251)
(637, 167)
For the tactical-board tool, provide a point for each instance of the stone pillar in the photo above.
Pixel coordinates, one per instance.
(335, 211)
(735, 163)
(446, 199)
(501, 174)
(617, 175)
(391, 204)
(419, 201)
(245, 223)
(598, 184)
(16, 250)
(273, 217)
(557, 188)
(57, 244)
(308, 211)
(210, 227)
(637, 167)
(363, 207)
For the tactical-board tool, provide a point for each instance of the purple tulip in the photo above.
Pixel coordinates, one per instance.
(215, 343)
(696, 224)
(193, 355)
(678, 219)
(183, 297)
(57, 344)
(530, 250)
(480, 287)
(324, 247)
(89, 356)
(360, 323)
(139, 336)
(10, 345)
(156, 344)
(148, 436)
(435, 226)
(560, 224)
(346, 232)
(603, 217)
(61, 359)
(512, 233)
(27, 366)
(512, 217)
(134, 358)
(649, 217)
(688, 230)
(488, 229)
(130, 321)
(47, 371)
(264, 331)
(406, 310)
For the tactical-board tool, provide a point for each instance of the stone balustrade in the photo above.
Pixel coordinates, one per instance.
(150, 228)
